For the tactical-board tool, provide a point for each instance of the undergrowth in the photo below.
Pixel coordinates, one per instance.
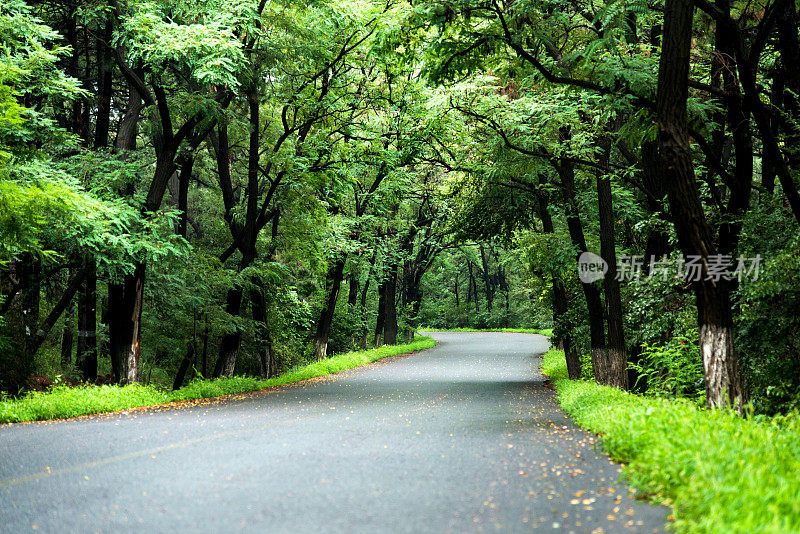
(720, 472)
(62, 401)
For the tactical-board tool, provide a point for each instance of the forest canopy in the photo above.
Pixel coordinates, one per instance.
(241, 186)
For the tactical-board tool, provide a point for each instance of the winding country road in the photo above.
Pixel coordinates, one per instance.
(464, 437)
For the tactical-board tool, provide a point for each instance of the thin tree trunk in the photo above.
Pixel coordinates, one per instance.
(104, 77)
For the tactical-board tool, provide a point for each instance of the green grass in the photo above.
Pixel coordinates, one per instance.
(720, 472)
(542, 331)
(62, 402)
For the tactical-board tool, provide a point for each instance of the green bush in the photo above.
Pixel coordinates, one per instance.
(720, 472)
(673, 370)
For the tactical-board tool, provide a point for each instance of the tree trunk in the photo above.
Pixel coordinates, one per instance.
(560, 302)
(381, 320)
(326, 316)
(184, 367)
(616, 357)
(723, 384)
(594, 303)
(104, 77)
(67, 339)
(124, 324)
(266, 355)
(231, 342)
(390, 325)
(86, 353)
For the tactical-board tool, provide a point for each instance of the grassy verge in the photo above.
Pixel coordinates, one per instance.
(63, 402)
(543, 331)
(720, 472)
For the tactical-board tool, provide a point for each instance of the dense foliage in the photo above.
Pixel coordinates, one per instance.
(237, 187)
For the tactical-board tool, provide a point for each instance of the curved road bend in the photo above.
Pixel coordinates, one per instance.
(460, 438)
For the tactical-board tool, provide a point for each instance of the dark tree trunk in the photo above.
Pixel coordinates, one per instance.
(267, 364)
(352, 291)
(86, 355)
(128, 128)
(381, 320)
(67, 338)
(594, 303)
(335, 277)
(184, 367)
(616, 373)
(390, 325)
(560, 302)
(363, 305)
(124, 323)
(657, 245)
(231, 342)
(723, 385)
(455, 290)
(487, 280)
(105, 73)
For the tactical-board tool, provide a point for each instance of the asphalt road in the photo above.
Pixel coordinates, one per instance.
(464, 437)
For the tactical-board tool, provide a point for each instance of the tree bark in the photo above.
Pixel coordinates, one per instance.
(231, 342)
(390, 324)
(180, 376)
(86, 352)
(67, 338)
(616, 374)
(723, 384)
(266, 355)
(560, 302)
(594, 303)
(124, 323)
(335, 277)
(381, 320)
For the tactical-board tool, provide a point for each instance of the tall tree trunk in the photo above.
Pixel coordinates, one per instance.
(124, 323)
(487, 280)
(390, 325)
(723, 384)
(616, 374)
(594, 303)
(381, 320)
(67, 339)
(180, 376)
(266, 355)
(352, 290)
(560, 302)
(105, 68)
(335, 277)
(86, 355)
(21, 322)
(231, 342)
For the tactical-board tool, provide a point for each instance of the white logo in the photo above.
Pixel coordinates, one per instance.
(591, 267)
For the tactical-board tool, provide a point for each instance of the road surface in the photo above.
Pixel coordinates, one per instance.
(464, 437)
